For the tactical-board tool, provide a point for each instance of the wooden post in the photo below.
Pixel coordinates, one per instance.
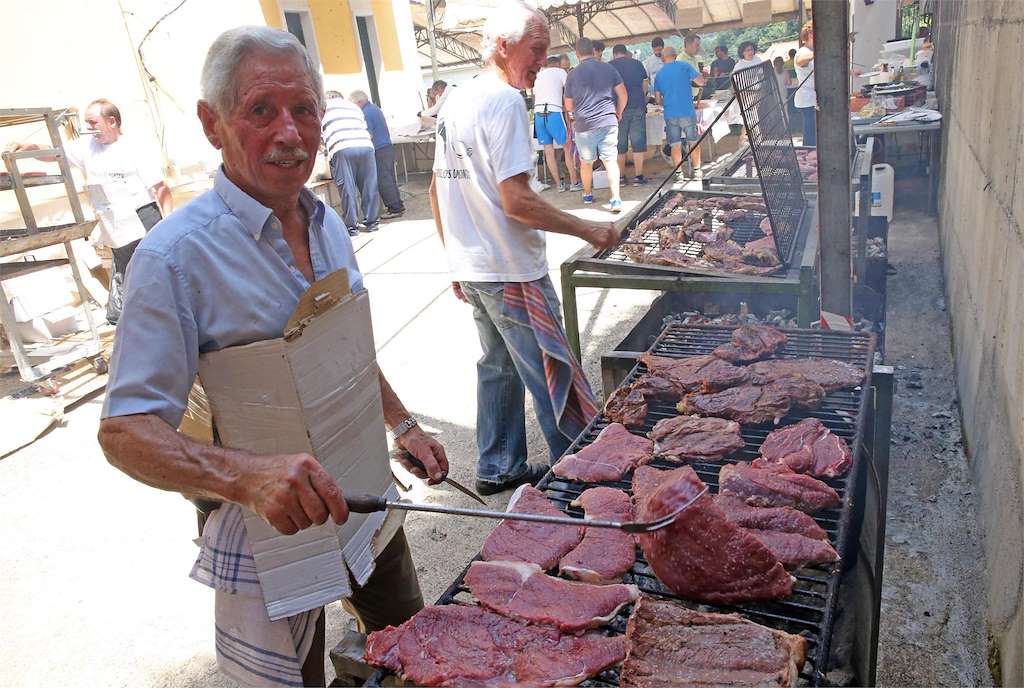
(832, 81)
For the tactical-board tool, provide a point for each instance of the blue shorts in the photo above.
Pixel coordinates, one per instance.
(602, 142)
(550, 127)
(679, 129)
(633, 131)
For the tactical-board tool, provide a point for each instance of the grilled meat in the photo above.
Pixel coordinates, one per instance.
(604, 555)
(539, 543)
(781, 519)
(776, 486)
(693, 438)
(673, 646)
(723, 233)
(756, 404)
(628, 406)
(702, 555)
(705, 373)
(806, 447)
(751, 343)
(523, 591)
(828, 373)
(796, 551)
(615, 452)
(460, 645)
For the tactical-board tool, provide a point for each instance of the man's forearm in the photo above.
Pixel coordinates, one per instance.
(522, 204)
(394, 411)
(154, 453)
(435, 208)
(162, 192)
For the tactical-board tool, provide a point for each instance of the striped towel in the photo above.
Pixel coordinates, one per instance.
(570, 394)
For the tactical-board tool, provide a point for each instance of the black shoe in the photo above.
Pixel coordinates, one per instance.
(371, 228)
(392, 214)
(531, 476)
(352, 231)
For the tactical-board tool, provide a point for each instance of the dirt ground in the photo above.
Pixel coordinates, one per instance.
(96, 588)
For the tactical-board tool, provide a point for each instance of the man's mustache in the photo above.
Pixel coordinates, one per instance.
(284, 154)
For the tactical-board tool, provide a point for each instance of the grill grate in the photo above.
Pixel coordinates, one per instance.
(747, 229)
(771, 144)
(809, 610)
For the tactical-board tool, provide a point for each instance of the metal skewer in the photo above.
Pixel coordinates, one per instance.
(366, 504)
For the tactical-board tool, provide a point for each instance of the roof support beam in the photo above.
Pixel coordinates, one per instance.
(449, 44)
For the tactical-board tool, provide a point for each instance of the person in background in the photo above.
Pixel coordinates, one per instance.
(436, 95)
(352, 161)
(722, 67)
(748, 56)
(384, 153)
(781, 75)
(493, 227)
(790, 66)
(633, 124)
(691, 48)
(653, 63)
(549, 121)
(565, 63)
(124, 183)
(672, 90)
(806, 98)
(572, 159)
(599, 51)
(595, 98)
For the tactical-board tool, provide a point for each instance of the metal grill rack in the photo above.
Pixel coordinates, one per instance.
(810, 610)
(771, 144)
(738, 172)
(794, 287)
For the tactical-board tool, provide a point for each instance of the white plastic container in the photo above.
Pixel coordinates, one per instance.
(882, 184)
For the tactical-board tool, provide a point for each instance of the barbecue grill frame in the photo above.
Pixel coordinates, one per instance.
(848, 521)
(797, 282)
(720, 177)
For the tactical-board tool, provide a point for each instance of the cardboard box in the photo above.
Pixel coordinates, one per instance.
(315, 390)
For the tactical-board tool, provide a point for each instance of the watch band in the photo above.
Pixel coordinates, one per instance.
(403, 427)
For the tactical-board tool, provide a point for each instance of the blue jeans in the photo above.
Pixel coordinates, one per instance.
(633, 131)
(355, 170)
(512, 362)
(810, 120)
(679, 129)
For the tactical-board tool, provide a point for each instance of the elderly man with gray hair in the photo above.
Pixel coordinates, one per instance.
(225, 270)
(493, 228)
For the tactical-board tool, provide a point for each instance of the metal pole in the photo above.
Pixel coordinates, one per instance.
(432, 40)
(831, 67)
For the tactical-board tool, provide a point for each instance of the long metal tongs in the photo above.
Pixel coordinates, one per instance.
(366, 504)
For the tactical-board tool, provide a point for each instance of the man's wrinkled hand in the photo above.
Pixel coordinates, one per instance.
(459, 294)
(429, 451)
(292, 492)
(601, 234)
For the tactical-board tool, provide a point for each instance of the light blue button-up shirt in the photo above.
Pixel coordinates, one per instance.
(214, 274)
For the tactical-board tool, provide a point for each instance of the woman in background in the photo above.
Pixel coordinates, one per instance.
(748, 56)
(782, 76)
(806, 98)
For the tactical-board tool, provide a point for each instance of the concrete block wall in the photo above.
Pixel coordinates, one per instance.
(981, 220)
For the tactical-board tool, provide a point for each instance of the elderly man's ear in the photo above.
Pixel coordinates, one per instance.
(209, 119)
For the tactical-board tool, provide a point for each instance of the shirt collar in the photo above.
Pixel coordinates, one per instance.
(255, 216)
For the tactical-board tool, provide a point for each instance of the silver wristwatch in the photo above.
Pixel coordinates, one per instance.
(403, 427)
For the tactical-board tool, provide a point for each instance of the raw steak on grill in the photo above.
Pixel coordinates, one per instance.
(702, 555)
(776, 486)
(828, 373)
(615, 452)
(671, 645)
(704, 373)
(604, 555)
(628, 406)
(806, 447)
(539, 543)
(756, 404)
(779, 519)
(522, 591)
(796, 551)
(751, 343)
(460, 645)
(694, 438)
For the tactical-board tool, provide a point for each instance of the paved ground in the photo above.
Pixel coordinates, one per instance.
(95, 565)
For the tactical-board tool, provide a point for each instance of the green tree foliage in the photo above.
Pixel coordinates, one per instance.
(762, 36)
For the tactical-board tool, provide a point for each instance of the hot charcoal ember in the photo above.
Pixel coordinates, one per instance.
(702, 555)
(776, 486)
(756, 404)
(615, 452)
(523, 591)
(539, 543)
(750, 343)
(694, 438)
(778, 519)
(806, 447)
(828, 373)
(604, 555)
(705, 373)
(671, 645)
(458, 645)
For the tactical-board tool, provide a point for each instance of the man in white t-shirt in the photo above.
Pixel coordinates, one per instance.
(549, 120)
(654, 62)
(125, 186)
(492, 226)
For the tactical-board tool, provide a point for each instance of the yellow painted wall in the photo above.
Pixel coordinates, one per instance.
(272, 13)
(387, 34)
(336, 36)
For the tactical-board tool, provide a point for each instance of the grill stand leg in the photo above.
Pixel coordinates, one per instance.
(17, 346)
(569, 312)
